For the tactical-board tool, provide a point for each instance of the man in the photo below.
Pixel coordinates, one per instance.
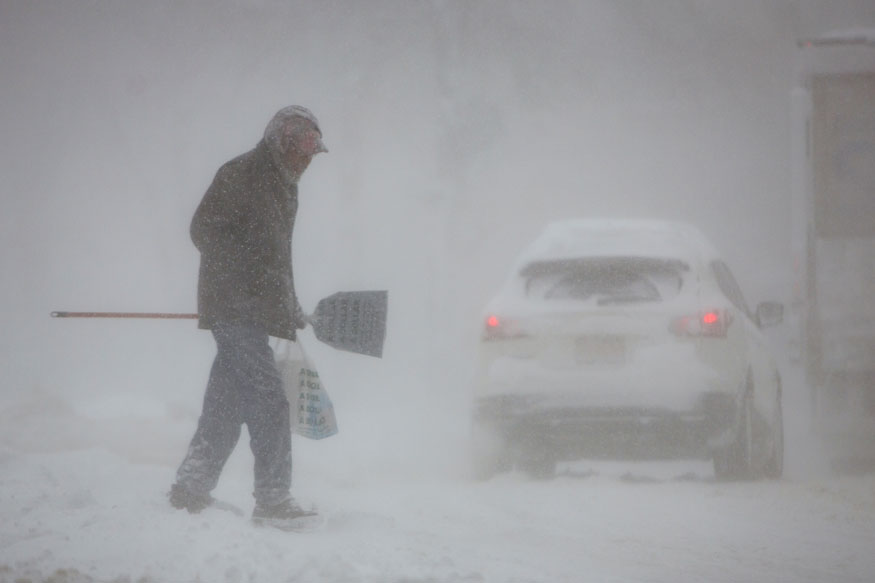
(243, 230)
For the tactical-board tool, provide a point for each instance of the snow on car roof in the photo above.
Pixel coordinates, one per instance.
(574, 238)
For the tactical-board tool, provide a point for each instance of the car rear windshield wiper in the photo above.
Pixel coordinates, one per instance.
(607, 300)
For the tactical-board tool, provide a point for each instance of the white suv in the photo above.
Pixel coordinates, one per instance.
(626, 338)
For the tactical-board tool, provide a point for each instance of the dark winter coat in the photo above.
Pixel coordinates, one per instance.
(243, 230)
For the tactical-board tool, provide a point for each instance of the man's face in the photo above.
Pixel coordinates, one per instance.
(302, 141)
(307, 140)
(297, 162)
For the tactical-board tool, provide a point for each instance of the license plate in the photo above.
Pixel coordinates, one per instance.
(600, 350)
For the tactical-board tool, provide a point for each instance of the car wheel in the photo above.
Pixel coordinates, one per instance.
(489, 454)
(775, 465)
(542, 467)
(735, 461)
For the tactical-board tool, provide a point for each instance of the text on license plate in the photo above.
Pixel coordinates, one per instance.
(600, 349)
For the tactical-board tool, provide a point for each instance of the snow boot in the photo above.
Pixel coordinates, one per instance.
(287, 515)
(182, 498)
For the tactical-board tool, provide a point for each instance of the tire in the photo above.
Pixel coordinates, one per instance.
(485, 467)
(775, 464)
(540, 468)
(735, 462)
(489, 455)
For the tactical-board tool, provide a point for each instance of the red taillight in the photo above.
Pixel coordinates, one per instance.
(709, 323)
(496, 328)
(493, 329)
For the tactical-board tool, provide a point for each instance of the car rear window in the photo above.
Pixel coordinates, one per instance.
(605, 280)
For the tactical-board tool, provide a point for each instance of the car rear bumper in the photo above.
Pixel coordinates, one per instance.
(526, 422)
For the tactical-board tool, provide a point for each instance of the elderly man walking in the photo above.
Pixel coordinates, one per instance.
(243, 230)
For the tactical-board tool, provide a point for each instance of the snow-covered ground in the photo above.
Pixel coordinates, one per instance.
(83, 499)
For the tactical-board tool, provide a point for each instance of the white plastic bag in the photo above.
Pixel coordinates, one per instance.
(311, 408)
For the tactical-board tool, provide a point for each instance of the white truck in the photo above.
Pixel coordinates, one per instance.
(833, 161)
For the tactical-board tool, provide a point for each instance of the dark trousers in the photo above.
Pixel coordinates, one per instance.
(244, 387)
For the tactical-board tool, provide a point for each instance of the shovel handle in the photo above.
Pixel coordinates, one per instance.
(154, 315)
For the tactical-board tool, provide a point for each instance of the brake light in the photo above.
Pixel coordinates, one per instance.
(496, 328)
(493, 329)
(708, 323)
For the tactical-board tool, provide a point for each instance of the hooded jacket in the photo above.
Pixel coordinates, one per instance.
(243, 230)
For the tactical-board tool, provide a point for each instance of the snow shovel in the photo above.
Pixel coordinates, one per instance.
(354, 321)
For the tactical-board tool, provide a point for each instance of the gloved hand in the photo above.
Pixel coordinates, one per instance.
(300, 319)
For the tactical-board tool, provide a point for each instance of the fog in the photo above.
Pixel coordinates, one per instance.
(456, 131)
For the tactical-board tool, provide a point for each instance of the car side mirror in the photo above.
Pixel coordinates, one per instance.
(770, 314)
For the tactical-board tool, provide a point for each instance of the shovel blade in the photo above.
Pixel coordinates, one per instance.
(354, 321)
